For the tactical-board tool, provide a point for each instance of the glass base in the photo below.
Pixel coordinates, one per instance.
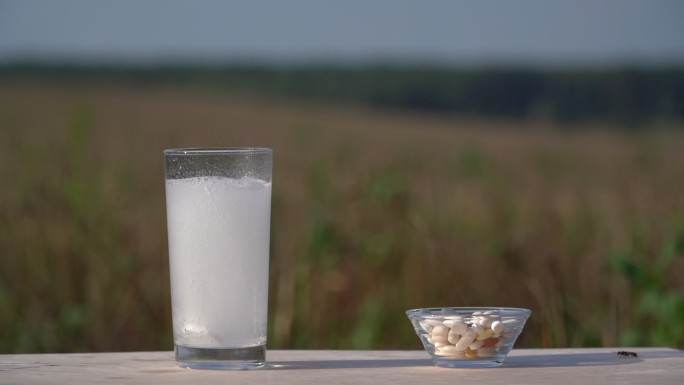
(253, 357)
(468, 363)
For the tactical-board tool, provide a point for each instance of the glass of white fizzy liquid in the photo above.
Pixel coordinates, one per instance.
(218, 206)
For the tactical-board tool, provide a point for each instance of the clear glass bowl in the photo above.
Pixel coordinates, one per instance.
(472, 337)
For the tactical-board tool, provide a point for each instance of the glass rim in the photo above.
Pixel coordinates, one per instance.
(217, 150)
(438, 310)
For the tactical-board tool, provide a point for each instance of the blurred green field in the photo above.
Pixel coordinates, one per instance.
(375, 211)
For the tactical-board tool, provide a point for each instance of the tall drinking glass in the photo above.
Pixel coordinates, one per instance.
(218, 204)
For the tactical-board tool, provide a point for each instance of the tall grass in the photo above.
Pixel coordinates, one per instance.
(373, 213)
(72, 278)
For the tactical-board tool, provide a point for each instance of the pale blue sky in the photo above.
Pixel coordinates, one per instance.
(536, 31)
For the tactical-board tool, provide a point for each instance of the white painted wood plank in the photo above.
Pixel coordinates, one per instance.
(523, 366)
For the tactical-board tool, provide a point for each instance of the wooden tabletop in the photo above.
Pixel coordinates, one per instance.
(523, 366)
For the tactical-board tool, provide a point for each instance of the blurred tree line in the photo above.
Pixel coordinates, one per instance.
(631, 96)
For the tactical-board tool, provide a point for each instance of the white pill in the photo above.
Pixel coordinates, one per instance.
(449, 350)
(439, 345)
(477, 328)
(440, 339)
(439, 330)
(476, 313)
(476, 344)
(453, 337)
(459, 327)
(498, 327)
(466, 339)
(485, 321)
(490, 312)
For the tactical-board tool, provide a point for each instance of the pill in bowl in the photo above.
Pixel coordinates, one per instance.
(474, 337)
